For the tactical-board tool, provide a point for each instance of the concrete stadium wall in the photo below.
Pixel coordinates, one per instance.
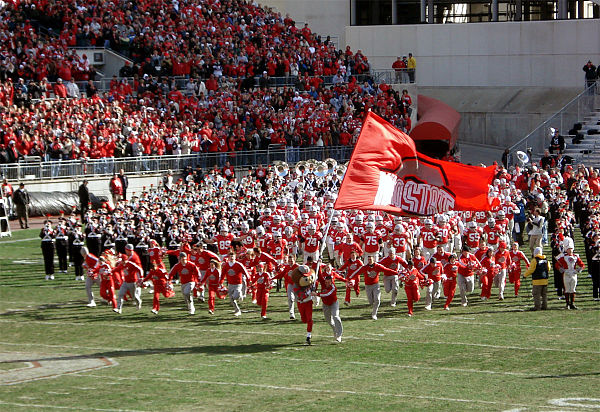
(540, 53)
(501, 116)
(96, 185)
(324, 17)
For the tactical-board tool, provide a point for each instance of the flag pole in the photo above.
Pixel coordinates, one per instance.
(323, 244)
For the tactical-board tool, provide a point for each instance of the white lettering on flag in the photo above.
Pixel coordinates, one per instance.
(385, 191)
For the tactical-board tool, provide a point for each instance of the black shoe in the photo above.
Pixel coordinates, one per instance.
(308, 341)
(27, 227)
(574, 307)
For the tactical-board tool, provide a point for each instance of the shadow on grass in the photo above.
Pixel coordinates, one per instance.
(189, 350)
(565, 375)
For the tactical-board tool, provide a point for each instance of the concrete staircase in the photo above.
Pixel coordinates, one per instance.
(590, 143)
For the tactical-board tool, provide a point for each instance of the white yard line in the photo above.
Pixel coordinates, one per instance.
(75, 408)
(314, 390)
(384, 365)
(63, 346)
(3, 242)
(508, 325)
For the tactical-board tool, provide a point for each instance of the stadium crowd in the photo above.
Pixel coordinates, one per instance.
(220, 47)
(158, 121)
(250, 232)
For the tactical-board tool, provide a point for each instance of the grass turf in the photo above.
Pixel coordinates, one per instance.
(491, 355)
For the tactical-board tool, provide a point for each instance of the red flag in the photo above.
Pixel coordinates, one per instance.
(386, 173)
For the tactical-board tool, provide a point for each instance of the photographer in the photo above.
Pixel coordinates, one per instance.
(535, 226)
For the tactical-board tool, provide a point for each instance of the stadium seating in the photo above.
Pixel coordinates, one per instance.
(218, 44)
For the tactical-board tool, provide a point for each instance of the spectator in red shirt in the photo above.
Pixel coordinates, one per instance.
(60, 90)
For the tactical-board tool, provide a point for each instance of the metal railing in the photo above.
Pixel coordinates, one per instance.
(393, 76)
(103, 85)
(573, 112)
(156, 164)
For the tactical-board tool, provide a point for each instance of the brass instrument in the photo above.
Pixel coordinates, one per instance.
(340, 171)
(302, 168)
(321, 169)
(331, 165)
(312, 165)
(282, 169)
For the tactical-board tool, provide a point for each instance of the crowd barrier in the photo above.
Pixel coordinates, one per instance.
(41, 169)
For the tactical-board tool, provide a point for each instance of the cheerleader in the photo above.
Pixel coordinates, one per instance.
(489, 270)
(161, 283)
(262, 281)
(411, 280)
(514, 274)
(107, 287)
(212, 278)
(449, 279)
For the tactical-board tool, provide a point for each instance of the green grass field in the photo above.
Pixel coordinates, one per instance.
(58, 354)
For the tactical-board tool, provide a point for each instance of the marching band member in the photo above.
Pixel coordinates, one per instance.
(570, 265)
(47, 234)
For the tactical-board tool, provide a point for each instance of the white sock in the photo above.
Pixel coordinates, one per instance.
(308, 334)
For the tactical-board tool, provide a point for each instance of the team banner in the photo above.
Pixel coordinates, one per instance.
(386, 173)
